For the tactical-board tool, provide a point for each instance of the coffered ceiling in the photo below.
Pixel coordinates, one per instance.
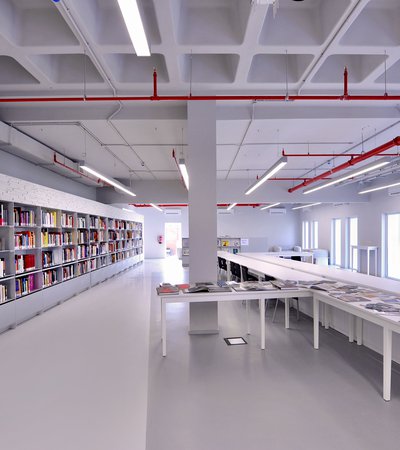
(75, 48)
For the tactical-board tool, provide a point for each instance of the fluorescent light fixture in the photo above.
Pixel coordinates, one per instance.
(107, 180)
(156, 207)
(268, 174)
(269, 206)
(354, 173)
(129, 210)
(366, 191)
(231, 206)
(184, 172)
(134, 24)
(306, 206)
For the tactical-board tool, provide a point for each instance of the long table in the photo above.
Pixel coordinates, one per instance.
(228, 296)
(289, 269)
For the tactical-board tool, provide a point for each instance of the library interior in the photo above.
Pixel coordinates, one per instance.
(199, 224)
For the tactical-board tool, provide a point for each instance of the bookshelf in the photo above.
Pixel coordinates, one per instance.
(42, 247)
(228, 244)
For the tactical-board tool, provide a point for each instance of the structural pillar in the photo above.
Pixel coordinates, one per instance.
(202, 168)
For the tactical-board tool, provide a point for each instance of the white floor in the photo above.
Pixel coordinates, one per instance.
(88, 375)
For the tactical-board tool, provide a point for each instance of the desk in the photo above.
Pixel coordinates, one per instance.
(289, 269)
(289, 254)
(368, 248)
(228, 296)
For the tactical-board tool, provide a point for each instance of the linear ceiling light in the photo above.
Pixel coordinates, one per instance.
(156, 207)
(184, 172)
(231, 206)
(107, 180)
(134, 24)
(269, 206)
(354, 173)
(366, 191)
(306, 206)
(268, 174)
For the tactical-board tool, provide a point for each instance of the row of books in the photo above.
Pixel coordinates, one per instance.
(24, 285)
(83, 237)
(82, 251)
(67, 238)
(49, 218)
(67, 220)
(3, 215)
(2, 267)
(24, 217)
(81, 222)
(47, 259)
(24, 263)
(49, 277)
(3, 293)
(24, 239)
(51, 239)
(68, 254)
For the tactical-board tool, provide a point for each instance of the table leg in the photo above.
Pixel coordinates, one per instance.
(163, 328)
(387, 362)
(316, 322)
(376, 262)
(262, 322)
(287, 311)
(359, 330)
(326, 316)
(247, 316)
(351, 327)
(367, 262)
(322, 314)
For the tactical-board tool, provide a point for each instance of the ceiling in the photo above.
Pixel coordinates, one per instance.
(203, 47)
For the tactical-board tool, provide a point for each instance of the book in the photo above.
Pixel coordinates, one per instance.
(254, 286)
(285, 284)
(197, 288)
(167, 289)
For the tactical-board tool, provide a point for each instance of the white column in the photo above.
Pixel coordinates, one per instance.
(202, 168)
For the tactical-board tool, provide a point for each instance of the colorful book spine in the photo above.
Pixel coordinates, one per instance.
(49, 278)
(24, 217)
(3, 215)
(81, 222)
(49, 218)
(66, 238)
(68, 272)
(2, 267)
(69, 254)
(24, 285)
(24, 263)
(24, 239)
(67, 220)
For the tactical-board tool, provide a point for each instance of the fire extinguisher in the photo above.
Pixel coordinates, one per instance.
(160, 238)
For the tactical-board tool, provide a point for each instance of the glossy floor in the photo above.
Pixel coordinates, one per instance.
(88, 375)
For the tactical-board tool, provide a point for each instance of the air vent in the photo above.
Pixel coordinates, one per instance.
(277, 211)
(172, 212)
(225, 211)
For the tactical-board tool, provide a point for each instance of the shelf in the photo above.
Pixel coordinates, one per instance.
(6, 277)
(54, 266)
(27, 272)
(7, 301)
(28, 293)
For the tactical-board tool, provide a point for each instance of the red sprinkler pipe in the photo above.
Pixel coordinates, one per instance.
(155, 95)
(334, 155)
(345, 83)
(351, 162)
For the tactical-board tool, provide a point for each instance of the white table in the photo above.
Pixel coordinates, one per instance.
(368, 249)
(357, 311)
(229, 296)
(289, 254)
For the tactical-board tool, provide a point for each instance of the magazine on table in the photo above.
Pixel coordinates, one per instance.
(285, 285)
(206, 287)
(254, 286)
(167, 289)
(384, 308)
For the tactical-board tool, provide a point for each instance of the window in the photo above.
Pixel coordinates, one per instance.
(305, 242)
(314, 234)
(336, 242)
(352, 232)
(392, 246)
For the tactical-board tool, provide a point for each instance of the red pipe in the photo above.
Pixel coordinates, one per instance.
(345, 82)
(332, 154)
(351, 162)
(155, 84)
(186, 98)
(74, 170)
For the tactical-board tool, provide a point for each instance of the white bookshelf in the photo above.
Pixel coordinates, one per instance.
(228, 244)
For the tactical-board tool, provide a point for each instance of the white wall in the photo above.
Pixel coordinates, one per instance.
(154, 225)
(262, 229)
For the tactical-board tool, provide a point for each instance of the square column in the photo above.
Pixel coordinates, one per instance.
(202, 168)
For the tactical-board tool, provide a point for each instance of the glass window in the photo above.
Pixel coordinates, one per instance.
(393, 245)
(314, 235)
(353, 240)
(305, 235)
(337, 242)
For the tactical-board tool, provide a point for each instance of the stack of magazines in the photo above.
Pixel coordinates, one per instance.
(254, 286)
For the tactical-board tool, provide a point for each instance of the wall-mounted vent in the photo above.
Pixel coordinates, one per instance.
(393, 191)
(277, 211)
(225, 211)
(172, 212)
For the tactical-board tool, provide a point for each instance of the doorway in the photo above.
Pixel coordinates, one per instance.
(173, 240)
